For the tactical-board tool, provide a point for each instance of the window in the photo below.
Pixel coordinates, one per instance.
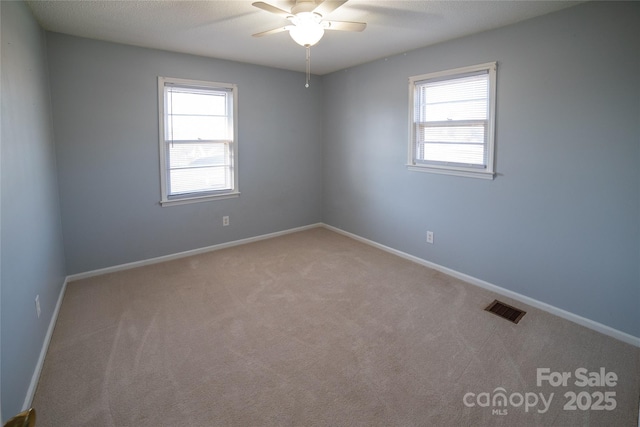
(198, 140)
(452, 116)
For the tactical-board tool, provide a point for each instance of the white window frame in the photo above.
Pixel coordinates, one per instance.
(202, 196)
(488, 172)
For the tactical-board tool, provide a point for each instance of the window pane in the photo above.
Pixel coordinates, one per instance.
(197, 155)
(459, 110)
(460, 134)
(198, 142)
(453, 153)
(196, 128)
(199, 179)
(463, 98)
(453, 119)
(194, 102)
(456, 89)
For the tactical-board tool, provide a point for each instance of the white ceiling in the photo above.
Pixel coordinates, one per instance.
(223, 28)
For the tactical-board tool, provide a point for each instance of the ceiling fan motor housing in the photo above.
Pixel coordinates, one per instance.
(303, 6)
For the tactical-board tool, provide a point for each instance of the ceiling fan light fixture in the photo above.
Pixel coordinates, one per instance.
(307, 26)
(306, 29)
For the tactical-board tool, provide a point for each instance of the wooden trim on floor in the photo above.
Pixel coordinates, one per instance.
(184, 254)
(43, 352)
(572, 317)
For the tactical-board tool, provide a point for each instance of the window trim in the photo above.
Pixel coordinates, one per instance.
(484, 173)
(198, 197)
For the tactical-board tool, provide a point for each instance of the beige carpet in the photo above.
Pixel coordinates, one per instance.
(314, 329)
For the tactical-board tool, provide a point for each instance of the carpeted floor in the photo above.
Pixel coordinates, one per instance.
(316, 329)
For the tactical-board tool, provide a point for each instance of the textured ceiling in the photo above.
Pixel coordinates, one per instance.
(222, 29)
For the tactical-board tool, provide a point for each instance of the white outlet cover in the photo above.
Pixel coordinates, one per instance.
(429, 236)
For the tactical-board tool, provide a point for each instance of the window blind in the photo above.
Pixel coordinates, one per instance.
(198, 138)
(451, 120)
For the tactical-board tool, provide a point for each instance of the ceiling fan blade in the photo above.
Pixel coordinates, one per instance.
(328, 6)
(269, 8)
(269, 32)
(344, 25)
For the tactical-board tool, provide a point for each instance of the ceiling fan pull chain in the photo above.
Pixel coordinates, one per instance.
(308, 66)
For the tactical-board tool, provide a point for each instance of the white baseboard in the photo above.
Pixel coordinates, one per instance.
(45, 345)
(184, 254)
(43, 352)
(622, 336)
(591, 324)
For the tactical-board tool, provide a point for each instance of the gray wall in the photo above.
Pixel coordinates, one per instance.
(31, 234)
(561, 221)
(105, 110)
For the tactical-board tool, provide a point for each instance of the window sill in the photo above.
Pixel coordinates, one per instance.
(451, 171)
(200, 199)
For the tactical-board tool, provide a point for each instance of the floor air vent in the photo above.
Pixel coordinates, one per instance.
(504, 310)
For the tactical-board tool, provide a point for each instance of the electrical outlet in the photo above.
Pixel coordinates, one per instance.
(225, 221)
(38, 305)
(430, 237)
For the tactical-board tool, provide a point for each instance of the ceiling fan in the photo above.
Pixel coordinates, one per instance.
(307, 24)
(307, 21)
